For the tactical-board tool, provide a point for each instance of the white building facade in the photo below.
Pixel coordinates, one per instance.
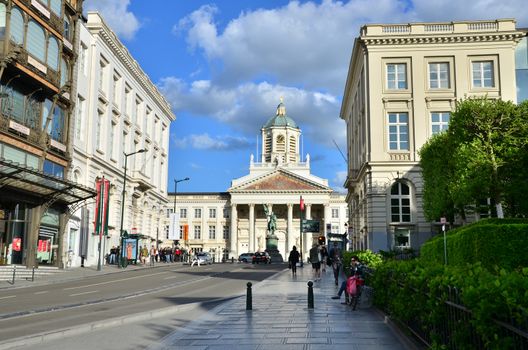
(230, 223)
(403, 82)
(118, 111)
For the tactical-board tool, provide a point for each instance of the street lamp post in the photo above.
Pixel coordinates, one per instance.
(176, 193)
(120, 257)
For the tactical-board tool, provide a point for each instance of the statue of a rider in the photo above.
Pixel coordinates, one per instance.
(272, 220)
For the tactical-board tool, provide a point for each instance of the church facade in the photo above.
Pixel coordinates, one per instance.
(230, 223)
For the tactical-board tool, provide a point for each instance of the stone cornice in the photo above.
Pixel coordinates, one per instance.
(121, 52)
(444, 39)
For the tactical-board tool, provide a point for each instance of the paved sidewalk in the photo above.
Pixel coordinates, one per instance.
(280, 319)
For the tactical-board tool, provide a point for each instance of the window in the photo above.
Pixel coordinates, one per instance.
(183, 213)
(225, 234)
(54, 169)
(115, 88)
(281, 144)
(198, 232)
(212, 213)
(197, 213)
(439, 75)
(400, 203)
(226, 213)
(439, 122)
(402, 238)
(2, 20)
(212, 232)
(17, 26)
(67, 29)
(398, 131)
(79, 116)
(53, 54)
(64, 72)
(55, 6)
(98, 131)
(111, 148)
(482, 74)
(83, 57)
(102, 76)
(335, 213)
(56, 127)
(36, 41)
(396, 76)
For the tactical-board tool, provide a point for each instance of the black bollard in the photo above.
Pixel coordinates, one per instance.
(33, 274)
(14, 273)
(310, 295)
(249, 297)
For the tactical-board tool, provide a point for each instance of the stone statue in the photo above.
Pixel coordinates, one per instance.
(272, 220)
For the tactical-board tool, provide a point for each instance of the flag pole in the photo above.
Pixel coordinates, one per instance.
(301, 206)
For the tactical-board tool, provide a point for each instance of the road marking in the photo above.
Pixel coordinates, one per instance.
(90, 292)
(7, 297)
(114, 281)
(43, 292)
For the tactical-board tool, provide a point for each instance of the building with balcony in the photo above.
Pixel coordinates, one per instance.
(118, 111)
(403, 82)
(230, 223)
(37, 55)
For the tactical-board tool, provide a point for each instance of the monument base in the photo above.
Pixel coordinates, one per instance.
(271, 248)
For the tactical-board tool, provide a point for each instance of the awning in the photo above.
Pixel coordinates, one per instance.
(46, 186)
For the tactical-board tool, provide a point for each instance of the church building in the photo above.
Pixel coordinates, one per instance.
(230, 223)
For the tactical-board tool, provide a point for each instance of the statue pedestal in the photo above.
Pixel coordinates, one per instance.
(271, 247)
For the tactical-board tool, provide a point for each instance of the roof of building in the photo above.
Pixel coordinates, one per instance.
(280, 118)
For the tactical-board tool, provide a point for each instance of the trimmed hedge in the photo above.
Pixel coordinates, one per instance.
(492, 242)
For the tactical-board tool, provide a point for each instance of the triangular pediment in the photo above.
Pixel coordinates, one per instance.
(280, 180)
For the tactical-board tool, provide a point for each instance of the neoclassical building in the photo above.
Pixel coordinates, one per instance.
(230, 223)
(403, 82)
(118, 111)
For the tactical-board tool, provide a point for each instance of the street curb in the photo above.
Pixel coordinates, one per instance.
(39, 338)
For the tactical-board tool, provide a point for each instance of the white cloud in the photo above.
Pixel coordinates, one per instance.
(248, 106)
(218, 143)
(116, 14)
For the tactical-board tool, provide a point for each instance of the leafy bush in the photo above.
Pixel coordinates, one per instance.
(492, 242)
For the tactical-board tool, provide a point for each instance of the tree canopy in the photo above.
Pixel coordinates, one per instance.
(482, 155)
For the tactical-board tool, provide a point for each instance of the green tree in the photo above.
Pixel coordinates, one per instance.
(482, 155)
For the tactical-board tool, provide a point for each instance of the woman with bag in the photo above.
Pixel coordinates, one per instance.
(293, 259)
(324, 258)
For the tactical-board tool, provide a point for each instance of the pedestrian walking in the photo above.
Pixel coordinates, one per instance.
(293, 259)
(315, 260)
(336, 255)
(195, 260)
(153, 254)
(324, 258)
(144, 254)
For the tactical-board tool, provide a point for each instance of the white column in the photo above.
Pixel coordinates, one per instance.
(233, 249)
(308, 212)
(289, 237)
(327, 216)
(251, 228)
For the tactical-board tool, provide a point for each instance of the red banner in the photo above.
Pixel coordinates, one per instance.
(17, 244)
(302, 204)
(102, 201)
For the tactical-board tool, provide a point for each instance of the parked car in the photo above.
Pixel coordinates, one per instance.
(204, 258)
(245, 257)
(261, 257)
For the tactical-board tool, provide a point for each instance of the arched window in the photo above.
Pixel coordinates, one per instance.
(400, 203)
(2, 19)
(281, 144)
(36, 41)
(17, 26)
(55, 6)
(64, 72)
(53, 54)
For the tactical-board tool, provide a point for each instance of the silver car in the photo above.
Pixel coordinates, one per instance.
(204, 258)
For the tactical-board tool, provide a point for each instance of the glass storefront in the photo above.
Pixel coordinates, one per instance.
(14, 223)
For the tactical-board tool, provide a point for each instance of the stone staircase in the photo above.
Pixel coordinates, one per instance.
(21, 272)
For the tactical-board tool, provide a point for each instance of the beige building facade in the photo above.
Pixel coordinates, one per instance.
(403, 82)
(230, 223)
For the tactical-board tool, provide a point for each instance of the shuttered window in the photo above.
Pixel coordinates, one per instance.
(36, 41)
(17, 26)
(53, 54)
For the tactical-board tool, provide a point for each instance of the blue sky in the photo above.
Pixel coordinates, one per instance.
(223, 66)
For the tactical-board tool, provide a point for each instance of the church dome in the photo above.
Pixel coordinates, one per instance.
(280, 118)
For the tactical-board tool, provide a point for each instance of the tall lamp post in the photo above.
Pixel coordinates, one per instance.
(121, 260)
